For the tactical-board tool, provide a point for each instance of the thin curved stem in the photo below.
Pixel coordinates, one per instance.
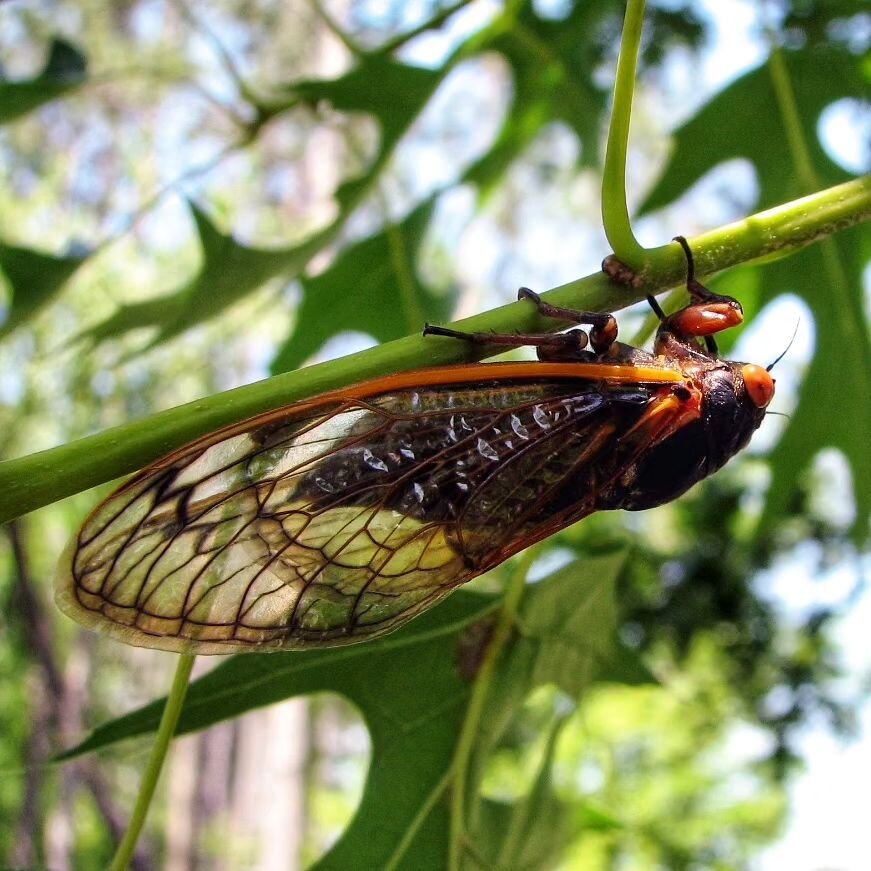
(150, 776)
(788, 107)
(615, 210)
(420, 817)
(472, 722)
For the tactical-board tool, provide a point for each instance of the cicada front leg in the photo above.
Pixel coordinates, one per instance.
(708, 313)
(554, 347)
(604, 326)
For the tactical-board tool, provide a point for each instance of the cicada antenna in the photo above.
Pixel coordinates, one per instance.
(782, 354)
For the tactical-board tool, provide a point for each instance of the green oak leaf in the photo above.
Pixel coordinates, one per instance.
(65, 70)
(394, 93)
(742, 121)
(533, 831)
(829, 412)
(412, 689)
(35, 278)
(833, 408)
(553, 75)
(372, 287)
(228, 272)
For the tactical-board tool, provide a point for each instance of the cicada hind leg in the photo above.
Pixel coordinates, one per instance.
(568, 346)
(708, 313)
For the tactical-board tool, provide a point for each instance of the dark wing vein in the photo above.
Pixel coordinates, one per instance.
(328, 528)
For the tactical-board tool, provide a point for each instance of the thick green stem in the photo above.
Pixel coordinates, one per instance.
(30, 482)
(615, 209)
(151, 774)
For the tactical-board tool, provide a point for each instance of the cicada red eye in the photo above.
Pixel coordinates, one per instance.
(759, 384)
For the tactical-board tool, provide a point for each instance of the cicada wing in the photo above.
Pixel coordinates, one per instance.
(231, 546)
(308, 529)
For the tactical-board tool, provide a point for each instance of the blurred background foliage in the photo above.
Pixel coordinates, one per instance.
(197, 194)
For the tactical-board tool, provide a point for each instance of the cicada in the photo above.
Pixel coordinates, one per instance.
(339, 518)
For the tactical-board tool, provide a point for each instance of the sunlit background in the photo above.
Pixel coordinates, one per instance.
(162, 123)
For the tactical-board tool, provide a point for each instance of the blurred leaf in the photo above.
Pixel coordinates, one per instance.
(65, 70)
(533, 831)
(596, 818)
(412, 694)
(829, 412)
(742, 121)
(824, 20)
(34, 279)
(567, 627)
(834, 407)
(372, 287)
(554, 63)
(567, 635)
(553, 74)
(227, 273)
(394, 93)
(554, 81)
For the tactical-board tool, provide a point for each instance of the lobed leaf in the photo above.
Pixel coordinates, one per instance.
(372, 287)
(742, 121)
(35, 278)
(412, 691)
(65, 71)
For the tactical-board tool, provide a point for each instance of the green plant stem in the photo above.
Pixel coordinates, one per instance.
(420, 817)
(155, 762)
(32, 481)
(615, 209)
(471, 724)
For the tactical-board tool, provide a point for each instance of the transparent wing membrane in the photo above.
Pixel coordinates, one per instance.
(325, 527)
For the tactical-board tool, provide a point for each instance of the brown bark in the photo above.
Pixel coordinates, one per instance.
(57, 703)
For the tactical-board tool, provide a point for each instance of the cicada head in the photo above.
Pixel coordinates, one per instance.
(735, 398)
(730, 401)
